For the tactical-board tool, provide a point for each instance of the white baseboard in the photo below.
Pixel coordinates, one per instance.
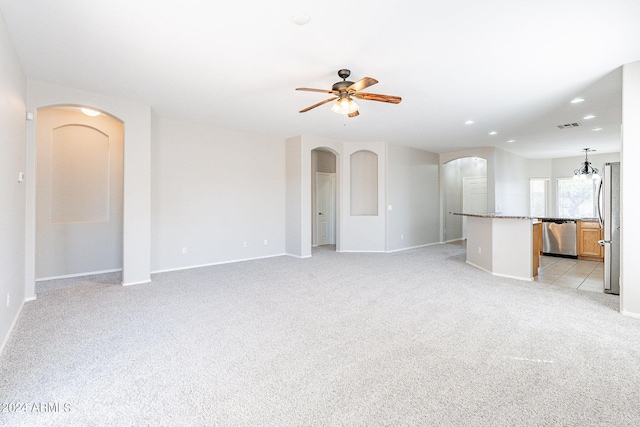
(298, 256)
(89, 273)
(217, 263)
(141, 282)
(527, 279)
(362, 252)
(630, 314)
(454, 240)
(414, 247)
(10, 331)
(478, 267)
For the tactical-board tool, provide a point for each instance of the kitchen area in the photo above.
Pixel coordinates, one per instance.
(575, 252)
(595, 240)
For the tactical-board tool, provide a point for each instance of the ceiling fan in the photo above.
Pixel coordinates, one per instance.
(343, 93)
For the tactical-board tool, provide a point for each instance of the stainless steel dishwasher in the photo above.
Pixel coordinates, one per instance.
(559, 237)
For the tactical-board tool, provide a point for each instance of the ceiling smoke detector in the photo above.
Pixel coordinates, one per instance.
(569, 125)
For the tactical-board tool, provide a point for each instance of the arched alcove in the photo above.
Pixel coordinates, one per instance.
(136, 117)
(79, 193)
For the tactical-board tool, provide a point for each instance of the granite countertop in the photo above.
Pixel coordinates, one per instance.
(544, 218)
(495, 216)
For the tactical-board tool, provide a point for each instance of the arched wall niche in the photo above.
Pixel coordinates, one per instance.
(364, 183)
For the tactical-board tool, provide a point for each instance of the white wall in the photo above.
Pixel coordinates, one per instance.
(212, 191)
(630, 226)
(136, 262)
(294, 208)
(511, 177)
(413, 192)
(13, 87)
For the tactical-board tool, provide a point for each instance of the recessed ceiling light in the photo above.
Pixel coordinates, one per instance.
(511, 141)
(468, 122)
(90, 112)
(590, 116)
(493, 132)
(596, 129)
(300, 18)
(577, 100)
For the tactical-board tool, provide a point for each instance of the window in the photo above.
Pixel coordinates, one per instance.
(538, 189)
(577, 198)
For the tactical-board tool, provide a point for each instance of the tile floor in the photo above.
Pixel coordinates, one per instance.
(571, 273)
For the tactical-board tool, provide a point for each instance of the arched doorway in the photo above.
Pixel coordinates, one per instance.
(465, 190)
(324, 198)
(79, 193)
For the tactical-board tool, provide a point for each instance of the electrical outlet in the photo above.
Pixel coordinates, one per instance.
(479, 250)
(402, 237)
(8, 299)
(184, 251)
(244, 244)
(265, 242)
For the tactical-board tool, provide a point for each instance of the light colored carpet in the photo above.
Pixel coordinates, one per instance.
(340, 339)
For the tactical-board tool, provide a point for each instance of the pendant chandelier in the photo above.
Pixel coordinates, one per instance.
(586, 171)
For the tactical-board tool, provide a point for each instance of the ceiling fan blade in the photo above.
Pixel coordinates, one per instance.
(376, 97)
(315, 90)
(318, 104)
(362, 84)
(354, 114)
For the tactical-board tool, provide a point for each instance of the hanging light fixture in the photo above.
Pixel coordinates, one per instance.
(344, 104)
(586, 171)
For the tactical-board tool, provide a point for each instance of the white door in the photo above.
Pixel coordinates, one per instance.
(325, 208)
(474, 198)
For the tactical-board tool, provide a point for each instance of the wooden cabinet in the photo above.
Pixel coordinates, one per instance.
(537, 247)
(588, 234)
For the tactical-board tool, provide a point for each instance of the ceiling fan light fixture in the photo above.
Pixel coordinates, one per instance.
(344, 105)
(89, 112)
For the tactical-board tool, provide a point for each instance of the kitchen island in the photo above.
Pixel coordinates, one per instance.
(507, 246)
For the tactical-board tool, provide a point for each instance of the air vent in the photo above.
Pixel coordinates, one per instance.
(569, 125)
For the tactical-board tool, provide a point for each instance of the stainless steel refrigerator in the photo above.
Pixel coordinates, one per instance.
(609, 211)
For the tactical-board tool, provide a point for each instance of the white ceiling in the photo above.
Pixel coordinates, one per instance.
(509, 65)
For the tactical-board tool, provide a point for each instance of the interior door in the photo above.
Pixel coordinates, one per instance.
(325, 208)
(474, 198)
